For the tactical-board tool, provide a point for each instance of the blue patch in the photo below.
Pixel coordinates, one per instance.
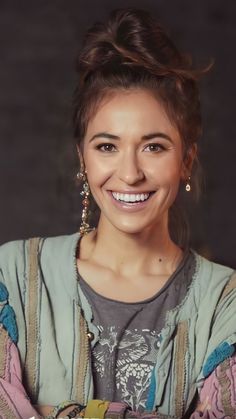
(7, 315)
(4, 295)
(223, 351)
(152, 392)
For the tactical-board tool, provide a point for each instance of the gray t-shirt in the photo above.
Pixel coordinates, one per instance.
(125, 355)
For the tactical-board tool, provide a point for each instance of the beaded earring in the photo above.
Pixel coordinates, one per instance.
(188, 185)
(84, 226)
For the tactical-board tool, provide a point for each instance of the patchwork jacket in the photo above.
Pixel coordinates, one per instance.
(39, 281)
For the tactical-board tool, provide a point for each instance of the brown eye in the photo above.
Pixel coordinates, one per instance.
(106, 148)
(156, 148)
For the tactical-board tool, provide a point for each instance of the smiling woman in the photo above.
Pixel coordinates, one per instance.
(124, 320)
(143, 154)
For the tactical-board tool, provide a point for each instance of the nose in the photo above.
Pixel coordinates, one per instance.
(130, 170)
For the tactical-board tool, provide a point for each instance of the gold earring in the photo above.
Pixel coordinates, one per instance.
(84, 226)
(79, 176)
(188, 184)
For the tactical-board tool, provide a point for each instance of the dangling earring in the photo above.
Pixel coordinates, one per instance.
(84, 227)
(188, 185)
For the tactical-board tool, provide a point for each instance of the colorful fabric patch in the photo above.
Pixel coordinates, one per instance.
(152, 392)
(7, 314)
(223, 351)
(4, 295)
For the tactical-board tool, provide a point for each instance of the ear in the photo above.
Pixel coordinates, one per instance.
(81, 159)
(188, 161)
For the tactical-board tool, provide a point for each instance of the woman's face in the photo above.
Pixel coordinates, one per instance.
(133, 155)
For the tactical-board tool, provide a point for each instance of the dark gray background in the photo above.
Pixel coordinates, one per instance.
(38, 44)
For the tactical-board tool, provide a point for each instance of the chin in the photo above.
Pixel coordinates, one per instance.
(131, 228)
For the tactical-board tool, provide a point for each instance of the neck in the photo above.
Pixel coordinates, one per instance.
(150, 251)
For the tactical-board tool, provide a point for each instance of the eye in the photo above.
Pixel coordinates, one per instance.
(106, 148)
(155, 147)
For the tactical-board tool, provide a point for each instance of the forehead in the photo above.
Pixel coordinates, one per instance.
(131, 111)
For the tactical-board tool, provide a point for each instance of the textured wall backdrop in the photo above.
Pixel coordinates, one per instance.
(38, 44)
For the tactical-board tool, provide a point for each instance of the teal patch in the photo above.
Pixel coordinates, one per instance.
(7, 315)
(223, 351)
(151, 393)
(4, 295)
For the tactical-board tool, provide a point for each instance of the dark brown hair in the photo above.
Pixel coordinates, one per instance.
(131, 50)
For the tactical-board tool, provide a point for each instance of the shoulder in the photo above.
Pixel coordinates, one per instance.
(12, 258)
(16, 250)
(59, 246)
(216, 285)
(216, 308)
(11, 250)
(211, 278)
(48, 252)
(212, 287)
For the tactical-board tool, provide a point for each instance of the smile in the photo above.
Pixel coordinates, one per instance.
(131, 198)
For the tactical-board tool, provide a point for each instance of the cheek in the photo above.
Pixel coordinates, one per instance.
(166, 171)
(97, 171)
(173, 174)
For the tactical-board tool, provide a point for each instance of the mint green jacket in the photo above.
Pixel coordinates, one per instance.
(56, 331)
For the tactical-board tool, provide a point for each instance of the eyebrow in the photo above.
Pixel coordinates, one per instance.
(144, 137)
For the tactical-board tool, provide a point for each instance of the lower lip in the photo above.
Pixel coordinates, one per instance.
(131, 207)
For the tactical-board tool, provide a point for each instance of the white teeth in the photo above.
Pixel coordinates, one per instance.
(130, 197)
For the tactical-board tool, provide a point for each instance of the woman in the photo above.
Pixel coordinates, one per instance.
(124, 320)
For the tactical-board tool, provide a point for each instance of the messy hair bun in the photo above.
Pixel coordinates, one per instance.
(130, 38)
(131, 50)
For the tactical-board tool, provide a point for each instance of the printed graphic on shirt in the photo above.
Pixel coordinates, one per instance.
(123, 362)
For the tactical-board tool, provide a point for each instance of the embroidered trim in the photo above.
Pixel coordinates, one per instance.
(83, 359)
(32, 319)
(180, 370)
(3, 351)
(225, 384)
(5, 409)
